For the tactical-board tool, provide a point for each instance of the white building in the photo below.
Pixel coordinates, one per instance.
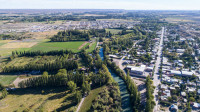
(180, 50)
(136, 70)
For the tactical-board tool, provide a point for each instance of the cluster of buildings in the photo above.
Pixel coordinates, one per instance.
(100, 24)
(143, 69)
(175, 74)
(140, 71)
(68, 25)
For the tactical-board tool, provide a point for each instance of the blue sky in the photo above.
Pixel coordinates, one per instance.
(102, 4)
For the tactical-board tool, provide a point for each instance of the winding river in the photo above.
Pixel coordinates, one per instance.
(126, 106)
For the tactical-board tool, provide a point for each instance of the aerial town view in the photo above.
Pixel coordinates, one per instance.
(99, 56)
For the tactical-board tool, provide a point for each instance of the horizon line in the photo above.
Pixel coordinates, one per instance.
(100, 9)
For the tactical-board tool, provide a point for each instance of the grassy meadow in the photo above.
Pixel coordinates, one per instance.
(113, 31)
(88, 100)
(2, 44)
(92, 47)
(7, 79)
(48, 46)
(38, 99)
(6, 47)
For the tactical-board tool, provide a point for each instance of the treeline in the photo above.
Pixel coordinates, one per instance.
(77, 35)
(40, 53)
(60, 63)
(87, 59)
(74, 79)
(12, 37)
(99, 33)
(147, 18)
(60, 79)
(3, 92)
(63, 78)
(148, 42)
(134, 94)
(109, 99)
(150, 103)
(71, 35)
(91, 62)
(102, 77)
(119, 44)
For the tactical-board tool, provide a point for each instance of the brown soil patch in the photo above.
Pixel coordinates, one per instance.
(82, 45)
(91, 44)
(18, 80)
(42, 35)
(19, 45)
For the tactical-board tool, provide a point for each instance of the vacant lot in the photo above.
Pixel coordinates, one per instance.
(178, 19)
(7, 46)
(5, 41)
(92, 15)
(51, 99)
(48, 46)
(19, 45)
(8, 51)
(42, 35)
(7, 79)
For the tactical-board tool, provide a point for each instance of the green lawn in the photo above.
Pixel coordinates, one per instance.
(88, 100)
(48, 46)
(7, 79)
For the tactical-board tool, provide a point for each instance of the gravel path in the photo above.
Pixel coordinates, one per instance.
(82, 45)
(79, 106)
(18, 80)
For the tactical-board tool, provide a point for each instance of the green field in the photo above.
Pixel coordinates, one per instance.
(8, 51)
(88, 100)
(7, 79)
(178, 19)
(85, 46)
(2, 44)
(92, 47)
(48, 46)
(23, 61)
(33, 100)
(113, 31)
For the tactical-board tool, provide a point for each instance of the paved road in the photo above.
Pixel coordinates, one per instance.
(156, 80)
(79, 106)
